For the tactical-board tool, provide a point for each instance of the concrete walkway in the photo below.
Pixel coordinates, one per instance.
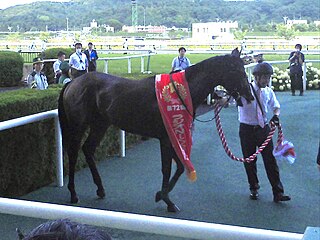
(220, 195)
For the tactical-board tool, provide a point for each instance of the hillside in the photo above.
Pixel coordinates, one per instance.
(39, 15)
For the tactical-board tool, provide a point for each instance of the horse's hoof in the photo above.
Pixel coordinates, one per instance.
(74, 200)
(101, 193)
(158, 196)
(173, 208)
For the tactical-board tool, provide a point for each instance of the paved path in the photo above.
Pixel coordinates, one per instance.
(220, 195)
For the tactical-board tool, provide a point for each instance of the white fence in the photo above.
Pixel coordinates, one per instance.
(35, 118)
(142, 56)
(141, 223)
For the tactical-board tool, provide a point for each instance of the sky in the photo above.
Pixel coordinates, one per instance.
(8, 3)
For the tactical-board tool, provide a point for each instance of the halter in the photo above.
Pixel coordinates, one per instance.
(235, 94)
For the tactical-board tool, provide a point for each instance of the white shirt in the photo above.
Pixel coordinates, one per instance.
(79, 62)
(180, 63)
(38, 81)
(248, 112)
(56, 66)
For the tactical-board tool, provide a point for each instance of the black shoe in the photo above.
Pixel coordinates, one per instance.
(293, 94)
(254, 195)
(281, 198)
(301, 94)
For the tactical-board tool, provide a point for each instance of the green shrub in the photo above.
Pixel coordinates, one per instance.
(51, 53)
(28, 152)
(281, 79)
(11, 65)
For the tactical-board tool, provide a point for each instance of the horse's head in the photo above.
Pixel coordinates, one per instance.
(234, 79)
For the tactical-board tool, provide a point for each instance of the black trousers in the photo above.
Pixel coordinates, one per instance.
(92, 66)
(77, 73)
(252, 137)
(296, 82)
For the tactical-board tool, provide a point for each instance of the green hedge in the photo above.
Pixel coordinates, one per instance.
(11, 65)
(281, 79)
(51, 53)
(28, 152)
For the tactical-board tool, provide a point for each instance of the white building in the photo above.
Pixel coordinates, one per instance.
(147, 29)
(290, 23)
(212, 30)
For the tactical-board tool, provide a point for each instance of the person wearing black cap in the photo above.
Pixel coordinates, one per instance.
(180, 62)
(254, 130)
(78, 62)
(92, 56)
(37, 79)
(296, 60)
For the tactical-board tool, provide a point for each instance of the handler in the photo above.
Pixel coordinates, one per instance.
(254, 130)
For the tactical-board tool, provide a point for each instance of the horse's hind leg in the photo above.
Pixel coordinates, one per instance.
(166, 160)
(97, 131)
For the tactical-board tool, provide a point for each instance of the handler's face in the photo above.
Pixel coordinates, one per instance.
(263, 80)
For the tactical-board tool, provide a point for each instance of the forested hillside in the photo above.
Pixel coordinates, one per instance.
(179, 13)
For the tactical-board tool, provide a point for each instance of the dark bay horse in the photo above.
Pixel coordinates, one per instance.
(98, 100)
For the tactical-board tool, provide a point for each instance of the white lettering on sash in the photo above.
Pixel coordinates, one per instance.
(178, 129)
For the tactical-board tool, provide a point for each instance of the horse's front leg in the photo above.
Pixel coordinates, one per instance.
(166, 161)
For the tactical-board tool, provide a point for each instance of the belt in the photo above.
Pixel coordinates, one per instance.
(255, 127)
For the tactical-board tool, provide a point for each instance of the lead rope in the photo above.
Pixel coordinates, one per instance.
(225, 144)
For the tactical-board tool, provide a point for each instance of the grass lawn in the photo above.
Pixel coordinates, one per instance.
(161, 63)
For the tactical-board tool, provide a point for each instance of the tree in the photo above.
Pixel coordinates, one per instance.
(240, 35)
(115, 23)
(286, 32)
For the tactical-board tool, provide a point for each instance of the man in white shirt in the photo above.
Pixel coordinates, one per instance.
(37, 79)
(254, 130)
(78, 62)
(180, 62)
(56, 66)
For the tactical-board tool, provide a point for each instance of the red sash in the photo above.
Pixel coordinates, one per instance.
(177, 120)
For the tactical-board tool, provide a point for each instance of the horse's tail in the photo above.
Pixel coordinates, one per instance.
(65, 129)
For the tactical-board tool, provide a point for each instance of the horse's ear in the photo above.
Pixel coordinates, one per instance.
(235, 52)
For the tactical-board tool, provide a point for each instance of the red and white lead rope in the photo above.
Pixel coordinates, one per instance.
(225, 144)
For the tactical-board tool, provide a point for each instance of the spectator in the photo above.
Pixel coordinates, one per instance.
(56, 65)
(296, 59)
(64, 229)
(254, 131)
(37, 79)
(78, 62)
(92, 56)
(125, 45)
(65, 77)
(180, 62)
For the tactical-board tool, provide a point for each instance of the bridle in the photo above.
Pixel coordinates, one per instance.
(234, 94)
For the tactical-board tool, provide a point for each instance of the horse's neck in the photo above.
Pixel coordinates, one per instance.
(200, 84)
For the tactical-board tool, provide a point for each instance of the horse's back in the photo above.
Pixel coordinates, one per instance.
(128, 104)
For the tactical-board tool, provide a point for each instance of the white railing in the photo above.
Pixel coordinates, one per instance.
(128, 57)
(141, 223)
(35, 118)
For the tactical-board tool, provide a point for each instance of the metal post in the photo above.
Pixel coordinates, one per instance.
(59, 153)
(142, 64)
(105, 66)
(122, 143)
(148, 63)
(304, 82)
(129, 65)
